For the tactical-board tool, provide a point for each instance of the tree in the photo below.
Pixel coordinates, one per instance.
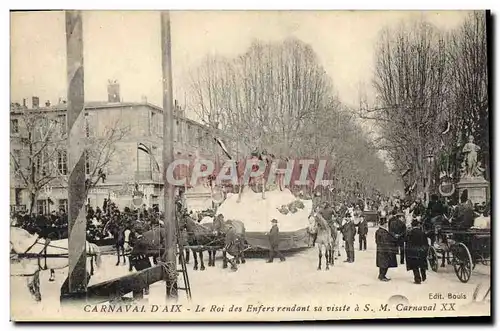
(411, 85)
(39, 150)
(467, 51)
(265, 96)
(277, 96)
(36, 140)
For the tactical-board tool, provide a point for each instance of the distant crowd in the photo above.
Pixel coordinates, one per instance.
(100, 221)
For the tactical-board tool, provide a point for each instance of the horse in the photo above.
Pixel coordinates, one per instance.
(28, 248)
(234, 237)
(118, 232)
(201, 237)
(145, 241)
(324, 238)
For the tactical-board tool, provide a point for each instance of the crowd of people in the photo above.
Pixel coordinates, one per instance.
(405, 228)
(100, 221)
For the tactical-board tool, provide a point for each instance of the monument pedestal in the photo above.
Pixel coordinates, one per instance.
(477, 187)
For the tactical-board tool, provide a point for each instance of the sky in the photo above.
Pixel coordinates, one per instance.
(125, 45)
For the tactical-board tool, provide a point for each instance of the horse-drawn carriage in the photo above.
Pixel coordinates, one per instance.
(371, 216)
(466, 248)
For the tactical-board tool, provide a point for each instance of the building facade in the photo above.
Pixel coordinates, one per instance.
(128, 166)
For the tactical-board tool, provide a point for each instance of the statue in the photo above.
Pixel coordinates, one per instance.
(470, 166)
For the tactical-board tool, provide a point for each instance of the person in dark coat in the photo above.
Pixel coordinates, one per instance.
(463, 217)
(349, 232)
(416, 252)
(386, 251)
(435, 208)
(274, 242)
(362, 232)
(418, 209)
(397, 227)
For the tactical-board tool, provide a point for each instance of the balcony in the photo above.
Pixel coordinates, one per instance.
(147, 176)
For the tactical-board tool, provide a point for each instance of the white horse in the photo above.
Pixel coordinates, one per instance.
(35, 254)
(324, 240)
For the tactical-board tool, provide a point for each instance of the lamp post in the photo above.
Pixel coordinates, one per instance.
(430, 161)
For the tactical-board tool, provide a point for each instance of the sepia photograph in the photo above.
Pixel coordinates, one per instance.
(170, 165)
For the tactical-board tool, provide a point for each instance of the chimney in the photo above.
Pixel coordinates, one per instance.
(47, 103)
(24, 104)
(113, 91)
(35, 102)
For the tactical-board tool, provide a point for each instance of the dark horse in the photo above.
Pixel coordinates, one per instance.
(146, 240)
(117, 230)
(234, 239)
(145, 245)
(200, 237)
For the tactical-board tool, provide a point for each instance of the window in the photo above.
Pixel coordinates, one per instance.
(87, 164)
(14, 126)
(42, 165)
(62, 162)
(87, 126)
(179, 131)
(144, 162)
(42, 206)
(63, 204)
(153, 125)
(176, 131)
(61, 119)
(199, 138)
(16, 155)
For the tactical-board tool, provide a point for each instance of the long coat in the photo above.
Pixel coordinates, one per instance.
(386, 249)
(416, 249)
(398, 229)
(363, 227)
(274, 236)
(348, 231)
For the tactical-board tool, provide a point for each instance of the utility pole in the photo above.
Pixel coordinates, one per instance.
(168, 158)
(77, 274)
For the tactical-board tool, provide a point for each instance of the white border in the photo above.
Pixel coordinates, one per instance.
(176, 5)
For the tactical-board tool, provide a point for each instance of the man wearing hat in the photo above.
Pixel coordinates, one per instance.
(386, 250)
(416, 252)
(348, 230)
(274, 242)
(397, 227)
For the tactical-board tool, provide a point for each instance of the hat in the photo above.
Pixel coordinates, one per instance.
(415, 222)
(274, 221)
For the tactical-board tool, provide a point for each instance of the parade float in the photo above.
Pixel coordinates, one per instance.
(256, 213)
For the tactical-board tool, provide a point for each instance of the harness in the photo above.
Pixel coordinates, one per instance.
(39, 255)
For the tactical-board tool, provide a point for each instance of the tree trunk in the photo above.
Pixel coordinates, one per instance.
(32, 204)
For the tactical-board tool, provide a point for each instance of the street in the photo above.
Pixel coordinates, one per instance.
(295, 281)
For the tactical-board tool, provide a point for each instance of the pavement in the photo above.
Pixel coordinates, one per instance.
(295, 280)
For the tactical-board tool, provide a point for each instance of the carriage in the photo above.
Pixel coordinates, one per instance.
(372, 216)
(466, 248)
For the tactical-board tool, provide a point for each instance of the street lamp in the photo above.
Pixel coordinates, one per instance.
(430, 160)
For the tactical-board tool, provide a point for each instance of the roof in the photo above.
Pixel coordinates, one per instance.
(95, 105)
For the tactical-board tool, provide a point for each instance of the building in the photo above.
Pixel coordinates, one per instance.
(128, 165)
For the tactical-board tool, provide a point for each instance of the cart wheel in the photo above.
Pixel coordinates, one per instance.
(432, 258)
(463, 262)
